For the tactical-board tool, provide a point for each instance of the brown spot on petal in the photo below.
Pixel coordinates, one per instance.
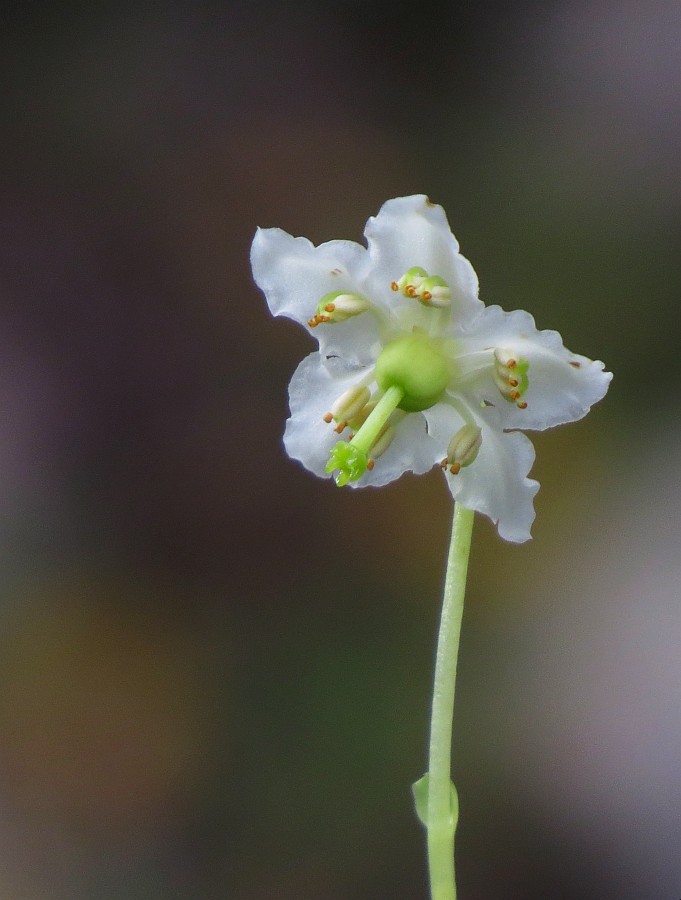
(575, 364)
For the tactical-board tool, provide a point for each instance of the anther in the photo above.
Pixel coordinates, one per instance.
(521, 405)
(434, 291)
(382, 442)
(328, 418)
(510, 375)
(370, 464)
(431, 290)
(337, 307)
(348, 406)
(463, 448)
(317, 320)
(340, 428)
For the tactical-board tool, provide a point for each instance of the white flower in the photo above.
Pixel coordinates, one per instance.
(413, 363)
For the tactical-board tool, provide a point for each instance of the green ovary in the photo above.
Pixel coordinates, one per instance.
(417, 365)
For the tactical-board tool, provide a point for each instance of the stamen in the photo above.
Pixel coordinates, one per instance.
(328, 418)
(510, 375)
(337, 307)
(383, 441)
(463, 448)
(317, 320)
(350, 404)
(430, 290)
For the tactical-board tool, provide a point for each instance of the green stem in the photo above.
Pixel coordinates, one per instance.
(442, 805)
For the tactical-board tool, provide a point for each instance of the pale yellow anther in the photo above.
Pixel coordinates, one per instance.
(383, 441)
(337, 307)
(505, 358)
(463, 448)
(350, 404)
(510, 376)
(430, 290)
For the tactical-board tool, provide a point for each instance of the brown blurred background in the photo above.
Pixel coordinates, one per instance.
(214, 668)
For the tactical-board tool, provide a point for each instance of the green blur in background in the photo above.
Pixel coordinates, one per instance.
(214, 668)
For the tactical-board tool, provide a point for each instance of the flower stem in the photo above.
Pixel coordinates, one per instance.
(442, 804)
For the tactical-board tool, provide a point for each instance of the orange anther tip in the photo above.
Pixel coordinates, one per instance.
(522, 405)
(370, 464)
(312, 323)
(427, 295)
(515, 395)
(328, 418)
(330, 307)
(340, 427)
(443, 464)
(513, 382)
(394, 286)
(511, 364)
(455, 468)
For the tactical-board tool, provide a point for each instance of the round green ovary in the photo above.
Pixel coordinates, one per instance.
(416, 365)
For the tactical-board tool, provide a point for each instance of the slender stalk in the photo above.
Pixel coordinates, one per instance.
(369, 431)
(442, 805)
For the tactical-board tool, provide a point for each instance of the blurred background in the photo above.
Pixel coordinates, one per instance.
(214, 668)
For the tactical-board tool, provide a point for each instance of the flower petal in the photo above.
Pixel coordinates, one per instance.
(495, 483)
(412, 450)
(294, 275)
(412, 231)
(312, 392)
(562, 385)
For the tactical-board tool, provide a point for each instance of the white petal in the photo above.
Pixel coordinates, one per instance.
(495, 483)
(562, 385)
(412, 231)
(412, 450)
(294, 275)
(312, 392)
(443, 423)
